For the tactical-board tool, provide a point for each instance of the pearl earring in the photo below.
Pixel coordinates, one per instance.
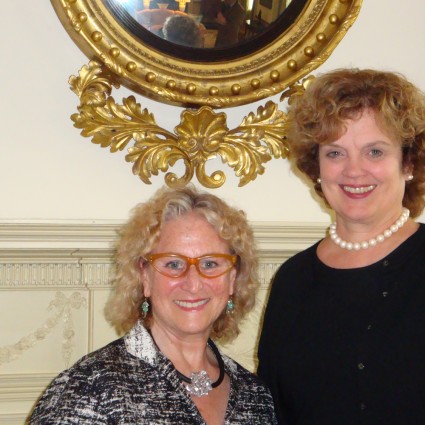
(410, 177)
(319, 180)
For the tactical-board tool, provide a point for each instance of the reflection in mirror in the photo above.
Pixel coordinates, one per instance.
(183, 30)
(220, 23)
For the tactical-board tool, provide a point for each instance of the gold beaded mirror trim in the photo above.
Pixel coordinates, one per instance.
(201, 135)
(266, 71)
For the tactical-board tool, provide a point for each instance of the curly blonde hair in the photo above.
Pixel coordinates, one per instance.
(142, 231)
(319, 117)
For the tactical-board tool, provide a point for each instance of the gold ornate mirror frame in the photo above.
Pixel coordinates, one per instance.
(232, 77)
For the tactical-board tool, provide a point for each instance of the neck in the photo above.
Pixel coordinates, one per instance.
(186, 353)
(197, 376)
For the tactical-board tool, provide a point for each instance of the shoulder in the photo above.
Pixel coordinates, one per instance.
(246, 380)
(300, 259)
(417, 240)
(298, 266)
(104, 367)
(421, 230)
(97, 363)
(106, 358)
(252, 398)
(71, 395)
(411, 252)
(291, 283)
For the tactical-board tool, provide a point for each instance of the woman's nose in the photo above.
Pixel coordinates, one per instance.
(192, 281)
(353, 167)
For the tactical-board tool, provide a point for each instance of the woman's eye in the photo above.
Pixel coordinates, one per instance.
(375, 153)
(176, 265)
(333, 154)
(209, 264)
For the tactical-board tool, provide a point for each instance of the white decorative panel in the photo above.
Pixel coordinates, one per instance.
(104, 333)
(35, 275)
(42, 331)
(54, 283)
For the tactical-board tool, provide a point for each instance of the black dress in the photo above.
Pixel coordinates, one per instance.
(347, 347)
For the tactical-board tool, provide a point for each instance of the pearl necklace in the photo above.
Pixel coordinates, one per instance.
(356, 246)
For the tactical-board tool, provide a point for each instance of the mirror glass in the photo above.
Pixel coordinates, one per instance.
(232, 27)
(277, 44)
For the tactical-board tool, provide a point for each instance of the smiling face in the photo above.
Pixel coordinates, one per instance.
(362, 175)
(190, 304)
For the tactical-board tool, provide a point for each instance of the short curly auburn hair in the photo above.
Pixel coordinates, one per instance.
(142, 231)
(318, 117)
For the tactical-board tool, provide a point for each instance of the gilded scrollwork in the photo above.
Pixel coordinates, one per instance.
(296, 90)
(201, 135)
(122, 52)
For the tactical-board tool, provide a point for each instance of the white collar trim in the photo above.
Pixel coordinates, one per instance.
(139, 343)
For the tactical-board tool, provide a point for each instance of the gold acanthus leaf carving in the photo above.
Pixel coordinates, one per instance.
(201, 135)
(296, 90)
(91, 86)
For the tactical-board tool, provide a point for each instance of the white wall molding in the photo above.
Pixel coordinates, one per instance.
(20, 391)
(23, 387)
(89, 238)
(48, 255)
(95, 233)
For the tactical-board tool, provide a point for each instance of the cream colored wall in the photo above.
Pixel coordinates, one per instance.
(61, 196)
(44, 155)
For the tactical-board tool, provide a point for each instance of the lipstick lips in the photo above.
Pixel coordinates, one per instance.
(192, 304)
(358, 190)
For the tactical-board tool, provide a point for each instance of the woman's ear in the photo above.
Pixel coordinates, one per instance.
(406, 162)
(232, 277)
(408, 171)
(145, 277)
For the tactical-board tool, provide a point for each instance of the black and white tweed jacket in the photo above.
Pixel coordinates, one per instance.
(130, 382)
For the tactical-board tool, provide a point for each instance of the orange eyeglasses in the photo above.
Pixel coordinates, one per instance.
(176, 265)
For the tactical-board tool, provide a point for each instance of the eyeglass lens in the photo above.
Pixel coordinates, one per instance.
(176, 266)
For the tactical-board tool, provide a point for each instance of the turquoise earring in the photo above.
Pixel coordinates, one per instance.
(230, 305)
(145, 308)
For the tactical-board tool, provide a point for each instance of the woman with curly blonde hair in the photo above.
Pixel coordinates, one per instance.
(140, 235)
(186, 273)
(343, 340)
